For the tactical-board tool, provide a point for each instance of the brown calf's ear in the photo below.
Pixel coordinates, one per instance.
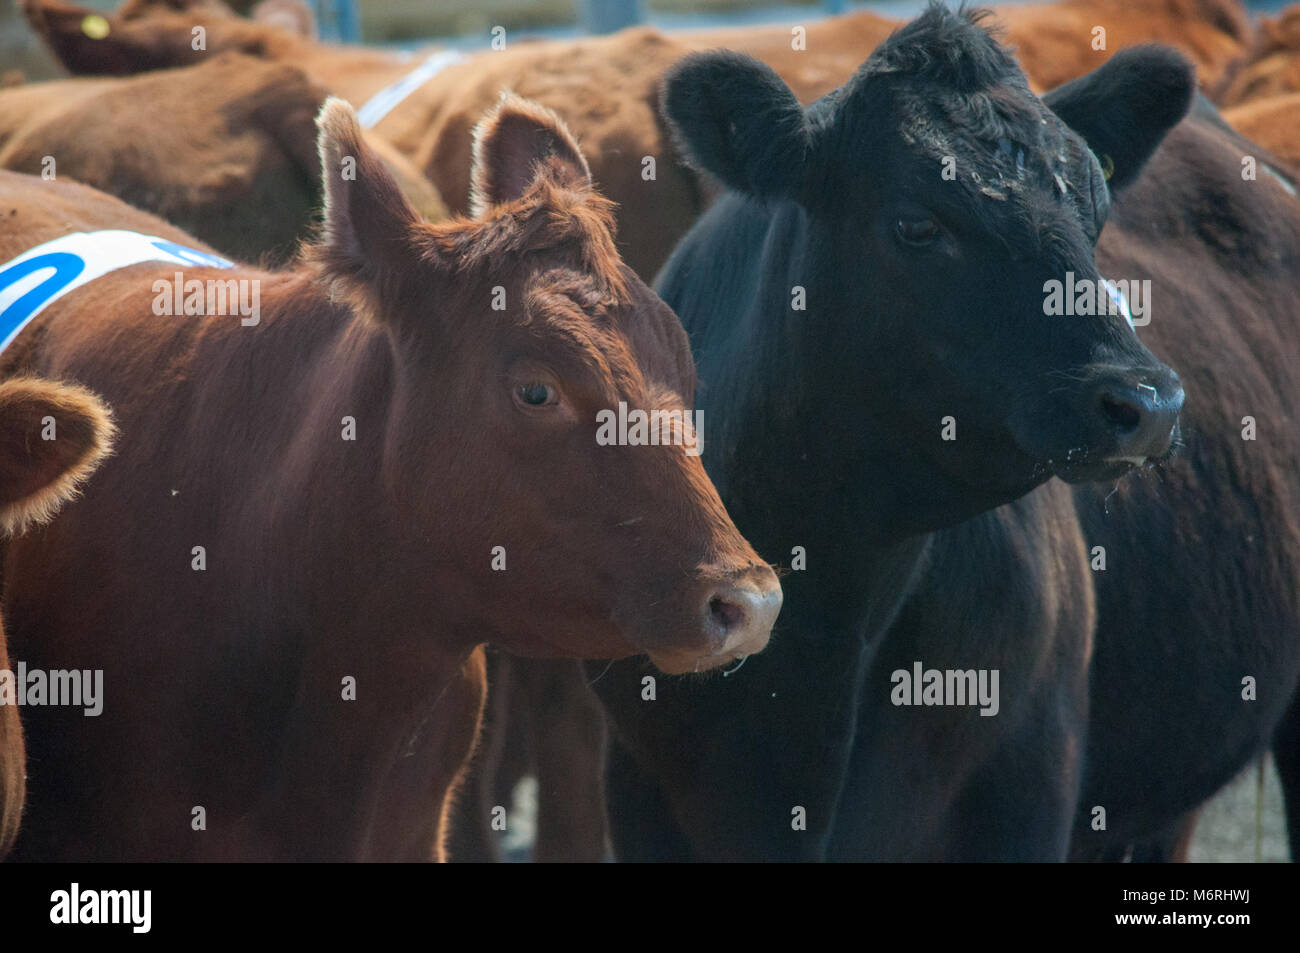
(366, 235)
(52, 437)
(515, 143)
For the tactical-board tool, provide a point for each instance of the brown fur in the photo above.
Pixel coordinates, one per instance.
(328, 559)
(153, 35)
(38, 476)
(225, 149)
(1270, 67)
(1273, 122)
(1052, 40)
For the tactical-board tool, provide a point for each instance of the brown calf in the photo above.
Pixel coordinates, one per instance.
(313, 523)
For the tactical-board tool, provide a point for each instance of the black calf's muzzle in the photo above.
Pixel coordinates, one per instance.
(1139, 411)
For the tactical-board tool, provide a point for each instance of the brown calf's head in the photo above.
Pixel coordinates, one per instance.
(151, 34)
(517, 336)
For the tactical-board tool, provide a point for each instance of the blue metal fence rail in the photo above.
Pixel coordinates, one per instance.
(338, 20)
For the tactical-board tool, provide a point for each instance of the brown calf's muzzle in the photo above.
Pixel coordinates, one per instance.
(735, 617)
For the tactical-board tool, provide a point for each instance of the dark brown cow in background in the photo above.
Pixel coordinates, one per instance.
(37, 476)
(225, 149)
(329, 562)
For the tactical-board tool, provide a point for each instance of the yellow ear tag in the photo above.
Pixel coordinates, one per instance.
(1107, 166)
(95, 27)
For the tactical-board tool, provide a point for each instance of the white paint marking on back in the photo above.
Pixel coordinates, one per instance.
(44, 274)
(382, 103)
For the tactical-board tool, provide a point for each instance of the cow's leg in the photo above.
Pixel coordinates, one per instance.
(1020, 807)
(470, 837)
(641, 826)
(568, 742)
(13, 764)
(1171, 847)
(1286, 757)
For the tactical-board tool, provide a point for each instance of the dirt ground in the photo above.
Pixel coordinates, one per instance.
(1227, 830)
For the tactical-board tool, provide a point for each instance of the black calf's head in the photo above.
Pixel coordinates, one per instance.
(943, 200)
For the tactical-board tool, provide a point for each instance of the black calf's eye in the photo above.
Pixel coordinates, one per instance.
(917, 231)
(535, 395)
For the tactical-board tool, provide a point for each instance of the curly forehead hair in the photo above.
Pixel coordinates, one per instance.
(953, 49)
(957, 92)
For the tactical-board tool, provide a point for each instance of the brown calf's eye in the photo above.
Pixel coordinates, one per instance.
(536, 395)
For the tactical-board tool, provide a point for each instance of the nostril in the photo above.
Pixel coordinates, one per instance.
(736, 616)
(1123, 415)
(726, 615)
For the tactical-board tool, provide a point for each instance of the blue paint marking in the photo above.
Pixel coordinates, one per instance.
(66, 266)
(47, 272)
(191, 255)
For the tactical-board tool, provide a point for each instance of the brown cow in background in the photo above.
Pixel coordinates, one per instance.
(224, 149)
(605, 88)
(1053, 41)
(37, 476)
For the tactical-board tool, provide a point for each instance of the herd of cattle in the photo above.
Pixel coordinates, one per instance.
(302, 522)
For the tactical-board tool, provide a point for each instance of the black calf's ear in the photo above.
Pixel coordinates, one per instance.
(1124, 108)
(734, 117)
(515, 143)
(366, 237)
